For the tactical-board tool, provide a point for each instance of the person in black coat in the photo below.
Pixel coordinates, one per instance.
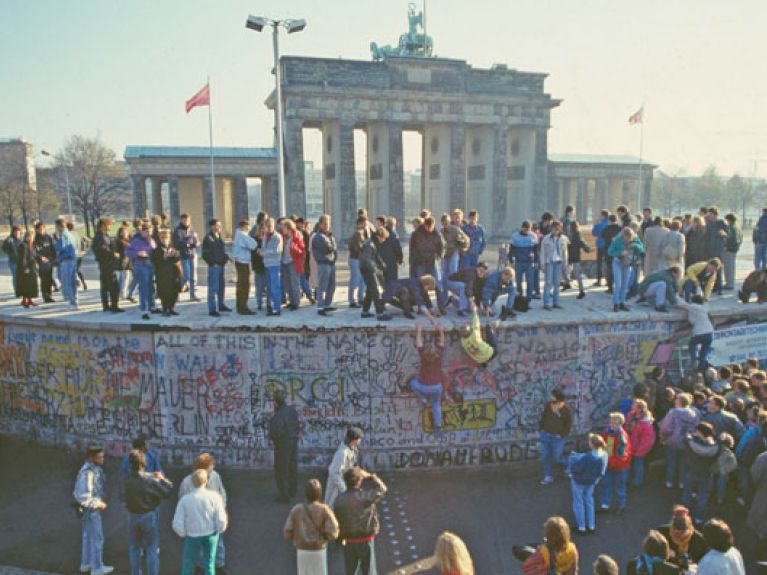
(45, 254)
(11, 249)
(26, 280)
(107, 255)
(284, 429)
(612, 229)
(168, 272)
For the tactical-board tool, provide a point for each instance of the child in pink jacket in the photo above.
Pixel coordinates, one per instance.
(639, 425)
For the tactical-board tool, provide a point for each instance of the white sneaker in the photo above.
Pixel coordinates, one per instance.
(85, 568)
(103, 571)
(741, 501)
(547, 480)
(74, 306)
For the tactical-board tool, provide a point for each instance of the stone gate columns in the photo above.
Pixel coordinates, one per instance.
(295, 188)
(156, 184)
(339, 185)
(500, 188)
(457, 167)
(615, 193)
(602, 195)
(139, 196)
(479, 154)
(436, 168)
(385, 177)
(269, 199)
(580, 199)
(175, 210)
(240, 199)
(396, 177)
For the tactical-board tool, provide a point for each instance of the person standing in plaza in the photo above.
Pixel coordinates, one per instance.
(556, 421)
(456, 243)
(185, 241)
(271, 252)
(214, 254)
(759, 237)
(358, 519)
(477, 242)
(324, 251)
(45, 254)
(554, 262)
(624, 251)
(731, 247)
(717, 232)
(140, 252)
(618, 447)
(82, 244)
(242, 250)
(586, 470)
(311, 525)
(612, 230)
(107, 256)
(345, 457)
(371, 264)
(596, 231)
(200, 519)
(522, 256)
(292, 262)
(168, 272)
(26, 286)
(89, 494)
(142, 494)
(356, 290)
(11, 249)
(641, 428)
(284, 431)
(673, 247)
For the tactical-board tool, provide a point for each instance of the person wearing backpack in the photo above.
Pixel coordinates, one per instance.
(311, 525)
(654, 558)
(586, 470)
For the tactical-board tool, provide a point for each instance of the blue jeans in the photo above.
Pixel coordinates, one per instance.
(260, 281)
(536, 279)
(290, 283)
(450, 265)
(144, 537)
(760, 256)
(187, 265)
(459, 288)
(93, 541)
(674, 465)
(553, 277)
(468, 261)
(510, 291)
(702, 485)
(526, 270)
(13, 265)
(193, 546)
(326, 285)
(617, 478)
(700, 355)
(621, 281)
(637, 468)
(552, 446)
(583, 505)
(721, 486)
(305, 287)
(656, 291)
(355, 281)
(274, 288)
(145, 279)
(432, 394)
(68, 277)
(215, 288)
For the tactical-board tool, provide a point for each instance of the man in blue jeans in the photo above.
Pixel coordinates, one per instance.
(522, 253)
(142, 494)
(89, 494)
(555, 424)
(66, 255)
(185, 241)
(428, 384)
(214, 254)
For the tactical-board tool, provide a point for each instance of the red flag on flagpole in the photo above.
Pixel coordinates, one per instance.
(636, 117)
(201, 98)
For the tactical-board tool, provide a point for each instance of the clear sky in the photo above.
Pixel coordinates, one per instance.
(122, 70)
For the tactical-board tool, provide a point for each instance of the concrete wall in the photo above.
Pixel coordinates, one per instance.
(189, 391)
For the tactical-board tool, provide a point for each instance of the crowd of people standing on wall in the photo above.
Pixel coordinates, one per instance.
(659, 260)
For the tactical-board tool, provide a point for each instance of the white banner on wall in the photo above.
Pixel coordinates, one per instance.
(736, 344)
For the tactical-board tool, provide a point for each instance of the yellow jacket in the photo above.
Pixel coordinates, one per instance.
(474, 346)
(692, 273)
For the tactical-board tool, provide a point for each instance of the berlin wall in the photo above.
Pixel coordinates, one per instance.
(189, 391)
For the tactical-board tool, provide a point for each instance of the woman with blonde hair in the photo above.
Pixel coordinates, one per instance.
(557, 555)
(451, 557)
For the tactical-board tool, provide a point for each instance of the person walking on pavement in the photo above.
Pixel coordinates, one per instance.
(214, 254)
(358, 520)
(142, 494)
(345, 457)
(555, 424)
(107, 254)
(284, 430)
(200, 519)
(89, 495)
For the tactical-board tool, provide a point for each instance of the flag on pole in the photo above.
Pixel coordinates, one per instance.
(201, 98)
(636, 117)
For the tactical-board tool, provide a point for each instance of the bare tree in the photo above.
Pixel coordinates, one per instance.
(97, 184)
(15, 184)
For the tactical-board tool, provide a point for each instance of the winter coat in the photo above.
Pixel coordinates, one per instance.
(618, 448)
(214, 250)
(185, 241)
(695, 273)
(641, 433)
(627, 254)
(476, 235)
(654, 237)
(554, 247)
(587, 468)
(324, 248)
(344, 459)
(139, 244)
(700, 454)
(672, 249)
(725, 422)
(298, 252)
(759, 235)
(11, 248)
(734, 239)
(425, 247)
(271, 249)
(597, 230)
(714, 241)
(43, 245)
(679, 421)
(104, 248)
(522, 247)
(370, 259)
(456, 241)
(672, 287)
(696, 246)
(26, 272)
(167, 271)
(574, 248)
(757, 515)
(610, 232)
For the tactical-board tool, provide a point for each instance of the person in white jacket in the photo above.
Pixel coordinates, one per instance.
(200, 519)
(345, 458)
(554, 262)
(242, 249)
(702, 335)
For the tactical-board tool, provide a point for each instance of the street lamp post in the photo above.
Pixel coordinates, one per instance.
(258, 23)
(66, 181)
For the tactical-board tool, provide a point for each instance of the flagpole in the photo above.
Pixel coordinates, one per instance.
(641, 143)
(212, 164)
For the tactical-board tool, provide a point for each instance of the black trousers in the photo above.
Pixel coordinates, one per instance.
(358, 555)
(403, 300)
(609, 272)
(286, 468)
(372, 295)
(109, 288)
(243, 285)
(602, 261)
(46, 281)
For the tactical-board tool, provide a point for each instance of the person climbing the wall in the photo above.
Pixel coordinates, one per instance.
(481, 351)
(427, 385)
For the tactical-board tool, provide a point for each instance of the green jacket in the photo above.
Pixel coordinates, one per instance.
(672, 287)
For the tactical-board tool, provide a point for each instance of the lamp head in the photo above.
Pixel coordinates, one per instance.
(295, 25)
(256, 23)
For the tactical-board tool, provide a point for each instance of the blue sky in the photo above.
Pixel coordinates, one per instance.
(122, 70)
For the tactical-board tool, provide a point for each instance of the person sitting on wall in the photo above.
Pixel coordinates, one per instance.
(755, 282)
(481, 351)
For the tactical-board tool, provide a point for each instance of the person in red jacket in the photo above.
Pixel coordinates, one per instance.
(292, 262)
(618, 447)
(639, 425)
